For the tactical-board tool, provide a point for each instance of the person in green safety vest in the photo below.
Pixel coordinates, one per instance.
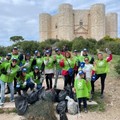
(101, 69)
(57, 57)
(7, 59)
(49, 69)
(38, 60)
(36, 77)
(81, 90)
(67, 64)
(9, 71)
(24, 82)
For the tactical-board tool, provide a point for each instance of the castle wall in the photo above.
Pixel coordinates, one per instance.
(65, 22)
(97, 16)
(111, 25)
(81, 16)
(45, 26)
(54, 26)
(70, 23)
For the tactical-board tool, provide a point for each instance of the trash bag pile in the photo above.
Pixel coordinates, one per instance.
(40, 104)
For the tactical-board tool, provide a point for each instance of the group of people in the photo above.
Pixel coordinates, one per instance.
(23, 71)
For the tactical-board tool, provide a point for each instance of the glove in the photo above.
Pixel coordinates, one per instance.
(26, 64)
(8, 71)
(108, 51)
(18, 86)
(25, 83)
(93, 78)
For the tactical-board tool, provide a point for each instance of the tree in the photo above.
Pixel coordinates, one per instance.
(16, 39)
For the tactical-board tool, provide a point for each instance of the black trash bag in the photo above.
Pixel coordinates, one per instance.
(63, 116)
(41, 93)
(74, 97)
(21, 105)
(62, 95)
(32, 97)
(61, 107)
(49, 95)
(68, 88)
(57, 94)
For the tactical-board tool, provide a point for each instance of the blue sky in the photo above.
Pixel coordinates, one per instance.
(21, 17)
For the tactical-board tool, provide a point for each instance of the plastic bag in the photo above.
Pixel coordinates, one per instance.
(63, 116)
(62, 95)
(72, 106)
(21, 105)
(32, 97)
(61, 107)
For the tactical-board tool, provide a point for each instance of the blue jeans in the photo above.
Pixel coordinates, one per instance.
(11, 86)
(58, 72)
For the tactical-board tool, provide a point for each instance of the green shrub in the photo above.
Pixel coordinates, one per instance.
(117, 67)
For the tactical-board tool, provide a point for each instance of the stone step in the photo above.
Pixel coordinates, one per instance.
(8, 106)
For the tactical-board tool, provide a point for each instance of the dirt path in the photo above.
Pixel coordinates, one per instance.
(112, 100)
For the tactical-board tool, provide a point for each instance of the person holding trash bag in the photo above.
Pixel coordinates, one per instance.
(67, 65)
(101, 69)
(23, 82)
(81, 90)
(8, 72)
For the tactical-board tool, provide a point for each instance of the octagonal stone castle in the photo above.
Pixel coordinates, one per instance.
(70, 23)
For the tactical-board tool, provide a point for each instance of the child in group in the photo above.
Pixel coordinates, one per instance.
(80, 87)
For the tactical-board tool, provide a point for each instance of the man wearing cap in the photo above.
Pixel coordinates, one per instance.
(49, 68)
(57, 57)
(84, 53)
(9, 71)
(24, 82)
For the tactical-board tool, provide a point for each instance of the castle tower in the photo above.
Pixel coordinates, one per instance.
(97, 18)
(45, 26)
(111, 24)
(65, 22)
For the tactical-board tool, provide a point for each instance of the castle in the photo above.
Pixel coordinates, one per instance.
(70, 23)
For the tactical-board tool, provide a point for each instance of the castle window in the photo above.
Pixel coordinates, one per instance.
(81, 23)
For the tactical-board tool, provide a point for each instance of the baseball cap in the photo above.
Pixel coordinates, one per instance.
(75, 51)
(57, 49)
(81, 72)
(36, 51)
(36, 67)
(24, 70)
(14, 59)
(8, 54)
(15, 48)
(47, 51)
(85, 49)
